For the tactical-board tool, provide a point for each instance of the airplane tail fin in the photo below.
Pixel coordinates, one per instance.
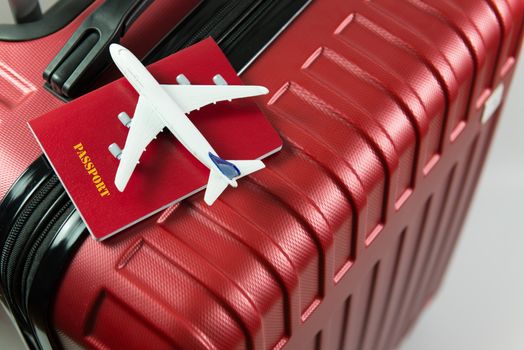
(218, 181)
(247, 167)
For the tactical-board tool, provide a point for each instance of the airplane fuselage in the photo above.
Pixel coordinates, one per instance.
(166, 109)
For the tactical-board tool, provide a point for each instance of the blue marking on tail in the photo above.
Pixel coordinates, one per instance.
(227, 168)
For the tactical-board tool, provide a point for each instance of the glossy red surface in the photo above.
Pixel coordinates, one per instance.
(345, 236)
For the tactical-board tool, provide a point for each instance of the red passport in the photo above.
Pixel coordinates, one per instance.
(167, 172)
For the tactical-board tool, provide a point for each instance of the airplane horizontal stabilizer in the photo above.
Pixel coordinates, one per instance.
(247, 167)
(218, 182)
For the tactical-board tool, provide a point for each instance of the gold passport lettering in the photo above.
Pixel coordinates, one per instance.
(91, 170)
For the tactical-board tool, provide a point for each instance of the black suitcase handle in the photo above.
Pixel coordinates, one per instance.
(86, 54)
(25, 11)
(32, 24)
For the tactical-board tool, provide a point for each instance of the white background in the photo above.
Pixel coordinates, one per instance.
(481, 302)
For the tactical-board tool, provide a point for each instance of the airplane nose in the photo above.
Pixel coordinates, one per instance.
(115, 49)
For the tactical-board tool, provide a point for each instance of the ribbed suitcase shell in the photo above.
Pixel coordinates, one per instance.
(345, 236)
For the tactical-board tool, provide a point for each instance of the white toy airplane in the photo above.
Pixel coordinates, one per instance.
(162, 106)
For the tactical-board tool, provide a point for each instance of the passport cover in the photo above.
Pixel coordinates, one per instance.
(167, 172)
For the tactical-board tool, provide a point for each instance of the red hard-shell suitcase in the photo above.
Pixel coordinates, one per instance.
(345, 236)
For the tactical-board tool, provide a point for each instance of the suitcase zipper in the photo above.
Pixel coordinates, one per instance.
(210, 18)
(13, 233)
(38, 241)
(56, 220)
(229, 9)
(256, 12)
(17, 238)
(250, 25)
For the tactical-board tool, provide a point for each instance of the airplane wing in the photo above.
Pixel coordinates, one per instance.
(191, 97)
(145, 126)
